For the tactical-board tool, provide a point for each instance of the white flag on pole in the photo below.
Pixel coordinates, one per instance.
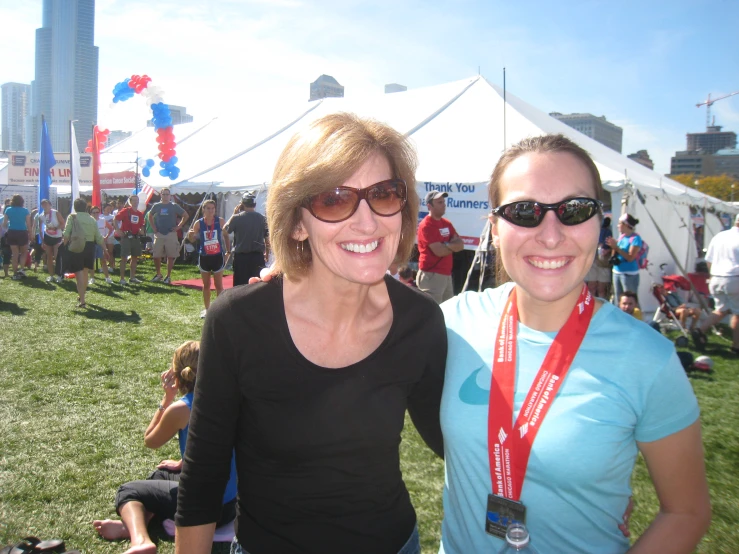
(74, 162)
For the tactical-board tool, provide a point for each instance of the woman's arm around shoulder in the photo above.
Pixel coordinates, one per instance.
(678, 472)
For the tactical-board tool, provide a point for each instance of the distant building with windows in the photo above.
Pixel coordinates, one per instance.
(642, 157)
(66, 74)
(117, 136)
(16, 109)
(710, 153)
(325, 87)
(597, 128)
(712, 140)
(395, 87)
(179, 115)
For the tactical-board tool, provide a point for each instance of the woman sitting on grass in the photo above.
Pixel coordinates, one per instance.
(138, 502)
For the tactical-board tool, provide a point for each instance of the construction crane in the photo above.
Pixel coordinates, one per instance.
(708, 103)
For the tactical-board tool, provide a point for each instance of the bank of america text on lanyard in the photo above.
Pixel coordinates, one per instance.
(509, 444)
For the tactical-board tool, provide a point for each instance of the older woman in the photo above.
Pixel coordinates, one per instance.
(551, 393)
(17, 222)
(309, 375)
(626, 249)
(81, 263)
(213, 245)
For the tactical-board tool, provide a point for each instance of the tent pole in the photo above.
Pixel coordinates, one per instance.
(478, 253)
(505, 144)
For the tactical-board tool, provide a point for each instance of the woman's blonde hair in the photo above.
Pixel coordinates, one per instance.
(323, 156)
(557, 144)
(185, 365)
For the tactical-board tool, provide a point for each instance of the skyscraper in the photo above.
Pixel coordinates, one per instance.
(66, 83)
(325, 87)
(16, 99)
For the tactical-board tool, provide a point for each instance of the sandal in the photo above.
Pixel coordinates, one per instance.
(30, 545)
(81, 305)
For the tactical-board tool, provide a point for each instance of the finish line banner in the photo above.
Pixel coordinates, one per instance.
(467, 207)
(23, 169)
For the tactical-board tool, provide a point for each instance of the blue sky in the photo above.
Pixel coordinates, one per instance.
(644, 65)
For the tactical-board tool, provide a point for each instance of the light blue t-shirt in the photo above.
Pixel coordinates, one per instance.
(625, 243)
(16, 216)
(626, 384)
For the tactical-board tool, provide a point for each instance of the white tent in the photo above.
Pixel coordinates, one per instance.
(459, 130)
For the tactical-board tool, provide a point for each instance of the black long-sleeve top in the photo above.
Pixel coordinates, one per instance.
(317, 449)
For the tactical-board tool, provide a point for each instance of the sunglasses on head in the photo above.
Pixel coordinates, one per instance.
(527, 213)
(385, 198)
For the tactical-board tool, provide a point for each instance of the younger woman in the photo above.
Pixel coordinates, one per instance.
(211, 261)
(51, 227)
(626, 247)
(17, 222)
(138, 502)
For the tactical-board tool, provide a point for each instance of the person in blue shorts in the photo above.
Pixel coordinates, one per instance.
(550, 393)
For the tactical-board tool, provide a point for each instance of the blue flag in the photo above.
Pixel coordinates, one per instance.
(46, 162)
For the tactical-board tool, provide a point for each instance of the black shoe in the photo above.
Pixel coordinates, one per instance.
(699, 339)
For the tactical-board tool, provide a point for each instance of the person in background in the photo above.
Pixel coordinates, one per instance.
(626, 249)
(407, 276)
(51, 226)
(551, 393)
(629, 303)
(138, 502)
(251, 246)
(82, 263)
(4, 249)
(437, 241)
(599, 276)
(723, 263)
(309, 376)
(214, 243)
(130, 224)
(163, 217)
(111, 239)
(17, 223)
(106, 230)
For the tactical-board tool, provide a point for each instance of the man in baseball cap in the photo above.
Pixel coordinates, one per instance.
(250, 239)
(437, 241)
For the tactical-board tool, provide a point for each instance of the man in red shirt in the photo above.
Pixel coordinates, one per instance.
(437, 240)
(129, 221)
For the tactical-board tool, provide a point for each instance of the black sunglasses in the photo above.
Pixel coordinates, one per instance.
(527, 213)
(385, 198)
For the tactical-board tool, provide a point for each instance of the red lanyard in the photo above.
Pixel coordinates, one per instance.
(509, 445)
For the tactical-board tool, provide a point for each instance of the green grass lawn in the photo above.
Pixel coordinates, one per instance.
(80, 386)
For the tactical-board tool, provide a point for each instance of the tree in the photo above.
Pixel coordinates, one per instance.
(718, 186)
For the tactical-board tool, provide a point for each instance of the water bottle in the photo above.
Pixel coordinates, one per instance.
(517, 540)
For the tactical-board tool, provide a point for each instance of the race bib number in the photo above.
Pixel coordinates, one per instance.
(444, 232)
(211, 245)
(135, 219)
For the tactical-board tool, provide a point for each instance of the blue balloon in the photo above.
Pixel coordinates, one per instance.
(163, 172)
(174, 160)
(146, 172)
(149, 163)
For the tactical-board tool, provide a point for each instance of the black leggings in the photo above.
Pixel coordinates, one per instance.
(158, 494)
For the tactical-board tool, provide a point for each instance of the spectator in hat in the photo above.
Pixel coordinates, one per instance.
(626, 250)
(437, 241)
(251, 247)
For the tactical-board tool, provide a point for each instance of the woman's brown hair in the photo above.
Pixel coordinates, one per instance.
(323, 156)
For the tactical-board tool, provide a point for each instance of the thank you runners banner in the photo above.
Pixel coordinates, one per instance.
(467, 207)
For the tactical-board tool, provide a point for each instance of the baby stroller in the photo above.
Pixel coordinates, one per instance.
(669, 301)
